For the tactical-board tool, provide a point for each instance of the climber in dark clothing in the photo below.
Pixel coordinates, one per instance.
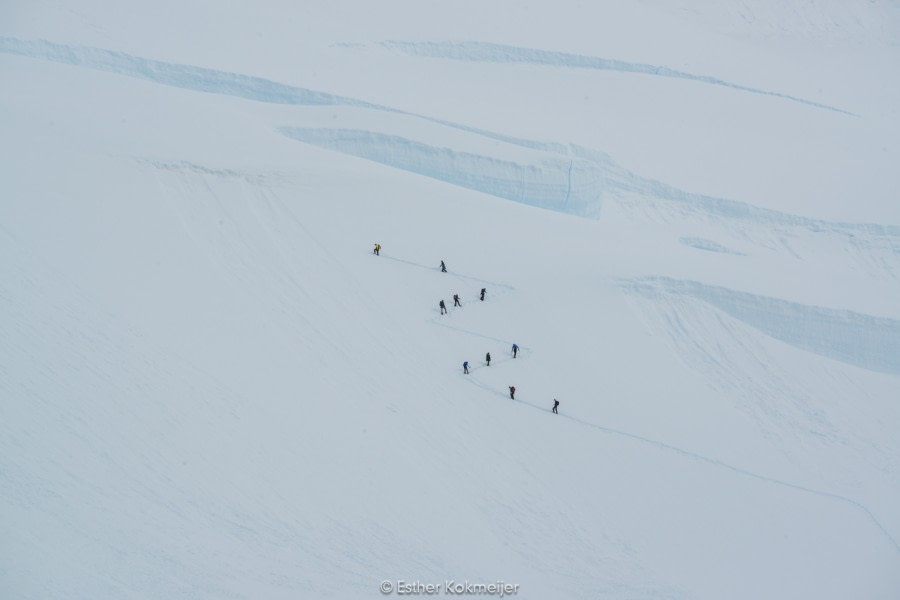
(456, 300)
(482, 294)
(488, 359)
(466, 367)
(555, 404)
(512, 392)
(443, 308)
(515, 350)
(443, 267)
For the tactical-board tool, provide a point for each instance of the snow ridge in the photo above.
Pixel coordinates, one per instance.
(569, 179)
(708, 245)
(177, 75)
(499, 53)
(547, 185)
(553, 184)
(853, 338)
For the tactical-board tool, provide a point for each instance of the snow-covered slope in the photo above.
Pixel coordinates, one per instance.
(685, 217)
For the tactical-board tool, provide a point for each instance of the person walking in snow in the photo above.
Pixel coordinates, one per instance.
(466, 367)
(488, 358)
(456, 300)
(443, 267)
(377, 249)
(555, 404)
(483, 291)
(512, 392)
(515, 350)
(443, 307)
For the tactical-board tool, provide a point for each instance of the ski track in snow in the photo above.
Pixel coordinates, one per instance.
(640, 286)
(499, 53)
(503, 286)
(440, 320)
(718, 463)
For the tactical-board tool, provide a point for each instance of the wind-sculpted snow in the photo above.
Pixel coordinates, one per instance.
(568, 178)
(252, 177)
(708, 245)
(571, 186)
(562, 177)
(571, 179)
(499, 53)
(854, 338)
(173, 74)
(653, 189)
(619, 179)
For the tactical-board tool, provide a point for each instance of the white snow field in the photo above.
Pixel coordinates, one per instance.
(686, 214)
